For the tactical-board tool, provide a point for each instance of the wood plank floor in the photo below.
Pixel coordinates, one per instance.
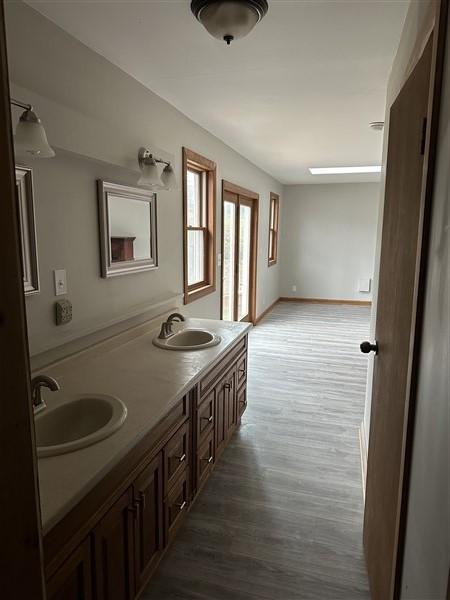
(281, 516)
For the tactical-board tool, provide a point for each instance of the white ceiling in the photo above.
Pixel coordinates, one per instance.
(298, 92)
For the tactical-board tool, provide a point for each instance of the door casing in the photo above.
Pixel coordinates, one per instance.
(252, 198)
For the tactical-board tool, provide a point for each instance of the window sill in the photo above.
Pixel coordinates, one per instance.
(198, 293)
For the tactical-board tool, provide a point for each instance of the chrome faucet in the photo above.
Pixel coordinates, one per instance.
(37, 383)
(166, 327)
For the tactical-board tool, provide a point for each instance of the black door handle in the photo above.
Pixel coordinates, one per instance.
(367, 347)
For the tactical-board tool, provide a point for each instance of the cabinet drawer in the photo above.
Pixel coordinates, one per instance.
(176, 456)
(242, 370)
(242, 400)
(205, 418)
(205, 460)
(213, 376)
(175, 505)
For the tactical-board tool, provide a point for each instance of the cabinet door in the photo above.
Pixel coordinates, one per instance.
(148, 526)
(226, 414)
(205, 460)
(113, 538)
(73, 581)
(241, 400)
(231, 405)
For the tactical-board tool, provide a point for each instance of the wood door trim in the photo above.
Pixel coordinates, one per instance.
(21, 548)
(430, 152)
(236, 190)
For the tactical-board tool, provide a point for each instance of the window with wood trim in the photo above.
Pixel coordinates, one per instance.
(274, 219)
(199, 209)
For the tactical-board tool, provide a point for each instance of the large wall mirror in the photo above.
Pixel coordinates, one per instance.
(24, 182)
(128, 230)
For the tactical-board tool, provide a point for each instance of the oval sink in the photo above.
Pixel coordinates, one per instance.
(189, 339)
(78, 423)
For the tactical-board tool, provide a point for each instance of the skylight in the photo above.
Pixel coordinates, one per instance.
(343, 170)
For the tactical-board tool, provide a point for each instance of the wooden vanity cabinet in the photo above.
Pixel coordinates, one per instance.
(115, 538)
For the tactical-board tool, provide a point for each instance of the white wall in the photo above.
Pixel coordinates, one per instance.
(328, 239)
(427, 548)
(97, 117)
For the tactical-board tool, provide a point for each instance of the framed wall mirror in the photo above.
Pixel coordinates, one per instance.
(128, 229)
(24, 183)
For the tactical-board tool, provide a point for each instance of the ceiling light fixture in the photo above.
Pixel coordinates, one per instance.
(30, 135)
(343, 170)
(229, 20)
(150, 176)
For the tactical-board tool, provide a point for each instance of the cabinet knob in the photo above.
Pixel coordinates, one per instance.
(181, 506)
(242, 371)
(209, 419)
(142, 499)
(182, 458)
(227, 386)
(208, 460)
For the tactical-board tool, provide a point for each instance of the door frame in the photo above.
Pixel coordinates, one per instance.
(253, 197)
(438, 30)
(21, 548)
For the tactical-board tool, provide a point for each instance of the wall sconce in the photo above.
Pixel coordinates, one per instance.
(150, 177)
(30, 133)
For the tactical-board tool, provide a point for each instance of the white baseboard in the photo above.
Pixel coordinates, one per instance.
(363, 453)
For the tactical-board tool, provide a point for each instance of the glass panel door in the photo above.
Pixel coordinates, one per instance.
(229, 253)
(245, 235)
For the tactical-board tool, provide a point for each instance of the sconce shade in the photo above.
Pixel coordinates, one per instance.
(150, 175)
(31, 137)
(168, 178)
(229, 20)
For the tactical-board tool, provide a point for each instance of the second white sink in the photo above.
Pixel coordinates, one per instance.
(79, 423)
(189, 339)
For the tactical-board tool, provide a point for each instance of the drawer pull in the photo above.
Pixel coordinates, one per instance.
(181, 506)
(208, 460)
(209, 419)
(227, 386)
(181, 458)
(142, 499)
(242, 371)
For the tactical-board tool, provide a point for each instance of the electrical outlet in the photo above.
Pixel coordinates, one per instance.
(63, 311)
(294, 288)
(364, 285)
(60, 282)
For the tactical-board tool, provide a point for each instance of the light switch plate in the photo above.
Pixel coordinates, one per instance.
(60, 282)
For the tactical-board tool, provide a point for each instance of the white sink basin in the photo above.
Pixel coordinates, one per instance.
(78, 423)
(189, 339)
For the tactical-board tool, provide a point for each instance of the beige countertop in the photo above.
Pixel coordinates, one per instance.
(149, 380)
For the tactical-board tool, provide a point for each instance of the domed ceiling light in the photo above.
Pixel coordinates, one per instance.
(229, 20)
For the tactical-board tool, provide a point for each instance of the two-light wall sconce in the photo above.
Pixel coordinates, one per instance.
(30, 135)
(150, 176)
(31, 139)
